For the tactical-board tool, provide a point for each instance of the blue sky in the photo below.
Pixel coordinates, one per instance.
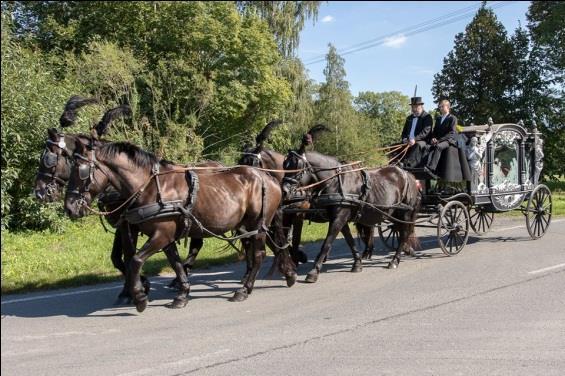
(404, 60)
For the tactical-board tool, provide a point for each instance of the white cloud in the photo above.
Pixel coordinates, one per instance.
(328, 19)
(395, 41)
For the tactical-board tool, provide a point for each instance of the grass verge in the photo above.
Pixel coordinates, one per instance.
(81, 256)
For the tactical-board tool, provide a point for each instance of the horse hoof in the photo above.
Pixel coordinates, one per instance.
(312, 277)
(140, 305)
(239, 296)
(179, 303)
(367, 255)
(357, 269)
(392, 265)
(291, 279)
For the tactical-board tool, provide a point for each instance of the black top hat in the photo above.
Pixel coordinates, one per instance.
(416, 100)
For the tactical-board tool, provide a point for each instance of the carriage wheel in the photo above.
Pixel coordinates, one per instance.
(481, 220)
(390, 236)
(453, 228)
(538, 211)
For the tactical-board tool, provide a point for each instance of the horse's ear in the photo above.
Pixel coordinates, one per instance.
(53, 134)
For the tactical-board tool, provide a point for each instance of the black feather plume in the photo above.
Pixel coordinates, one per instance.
(70, 112)
(316, 130)
(111, 115)
(266, 132)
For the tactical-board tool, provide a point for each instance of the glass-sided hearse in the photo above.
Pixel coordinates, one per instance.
(505, 163)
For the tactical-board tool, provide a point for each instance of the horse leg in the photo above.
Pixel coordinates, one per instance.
(366, 233)
(283, 260)
(151, 246)
(336, 224)
(357, 264)
(129, 242)
(408, 240)
(184, 285)
(256, 249)
(118, 262)
(194, 248)
(245, 243)
(403, 237)
(298, 255)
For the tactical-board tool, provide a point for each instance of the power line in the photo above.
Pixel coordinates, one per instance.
(412, 30)
(406, 29)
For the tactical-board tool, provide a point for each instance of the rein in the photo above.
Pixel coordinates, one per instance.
(329, 178)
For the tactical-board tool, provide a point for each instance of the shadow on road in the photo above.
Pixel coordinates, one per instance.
(215, 283)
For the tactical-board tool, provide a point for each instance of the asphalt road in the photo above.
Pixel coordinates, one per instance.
(498, 308)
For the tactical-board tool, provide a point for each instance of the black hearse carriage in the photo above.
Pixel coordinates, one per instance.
(505, 161)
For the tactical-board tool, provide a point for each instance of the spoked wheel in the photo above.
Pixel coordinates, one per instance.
(538, 211)
(453, 228)
(390, 236)
(481, 220)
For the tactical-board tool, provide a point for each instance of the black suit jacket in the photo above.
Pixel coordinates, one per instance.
(423, 127)
(446, 131)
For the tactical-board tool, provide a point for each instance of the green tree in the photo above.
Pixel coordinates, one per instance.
(208, 68)
(32, 101)
(285, 19)
(386, 112)
(546, 68)
(546, 23)
(351, 137)
(475, 74)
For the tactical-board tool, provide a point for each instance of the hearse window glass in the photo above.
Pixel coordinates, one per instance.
(505, 165)
(528, 158)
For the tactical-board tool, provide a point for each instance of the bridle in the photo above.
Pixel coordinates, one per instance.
(256, 157)
(50, 160)
(295, 180)
(86, 172)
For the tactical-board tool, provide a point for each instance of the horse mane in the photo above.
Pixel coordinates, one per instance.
(323, 157)
(139, 157)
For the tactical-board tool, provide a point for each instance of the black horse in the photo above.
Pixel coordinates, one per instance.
(364, 196)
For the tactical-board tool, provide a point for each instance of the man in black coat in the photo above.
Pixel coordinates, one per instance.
(443, 135)
(416, 132)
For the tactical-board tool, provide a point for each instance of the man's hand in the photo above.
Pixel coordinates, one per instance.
(404, 140)
(434, 141)
(412, 142)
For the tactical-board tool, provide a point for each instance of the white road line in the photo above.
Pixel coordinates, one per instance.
(19, 300)
(547, 269)
(56, 295)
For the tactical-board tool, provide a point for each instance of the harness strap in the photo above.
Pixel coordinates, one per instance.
(155, 171)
